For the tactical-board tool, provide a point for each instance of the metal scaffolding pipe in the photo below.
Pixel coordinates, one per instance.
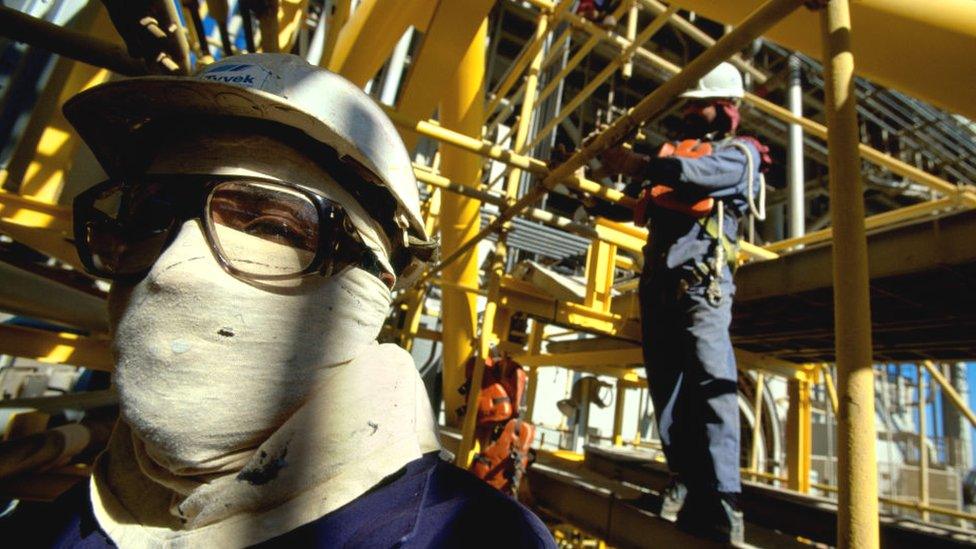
(923, 451)
(69, 43)
(796, 181)
(603, 75)
(950, 391)
(508, 157)
(756, 422)
(869, 154)
(857, 510)
(753, 26)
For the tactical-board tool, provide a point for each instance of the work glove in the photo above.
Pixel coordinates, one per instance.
(618, 159)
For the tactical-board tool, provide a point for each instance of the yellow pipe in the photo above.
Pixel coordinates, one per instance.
(505, 156)
(902, 44)
(868, 153)
(525, 57)
(461, 110)
(857, 510)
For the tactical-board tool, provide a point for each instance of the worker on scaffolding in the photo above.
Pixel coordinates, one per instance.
(256, 218)
(692, 197)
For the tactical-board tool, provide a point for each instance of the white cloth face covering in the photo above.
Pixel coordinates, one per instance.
(207, 365)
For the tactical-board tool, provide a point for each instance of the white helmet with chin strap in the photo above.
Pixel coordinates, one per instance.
(280, 88)
(722, 81)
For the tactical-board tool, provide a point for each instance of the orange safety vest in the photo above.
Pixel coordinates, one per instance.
(663, 196)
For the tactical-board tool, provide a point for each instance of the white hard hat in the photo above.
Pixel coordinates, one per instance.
(722, 81)
(276, 87)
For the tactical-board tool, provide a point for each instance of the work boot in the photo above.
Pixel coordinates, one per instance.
(672, 498)
(714, 516)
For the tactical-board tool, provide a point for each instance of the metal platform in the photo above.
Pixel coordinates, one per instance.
(923, 297)
(770, 513)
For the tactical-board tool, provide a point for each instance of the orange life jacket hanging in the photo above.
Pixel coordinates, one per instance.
(505, 460)
(502, 388)
(663, 196)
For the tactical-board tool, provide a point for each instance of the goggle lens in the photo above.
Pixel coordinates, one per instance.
(263, 229)
(125, 231)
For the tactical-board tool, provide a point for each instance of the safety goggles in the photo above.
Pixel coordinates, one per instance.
(257, 229)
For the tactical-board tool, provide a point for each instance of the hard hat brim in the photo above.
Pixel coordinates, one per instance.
(107, 115)
(709, 94)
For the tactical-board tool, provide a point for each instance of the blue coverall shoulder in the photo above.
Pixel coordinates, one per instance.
(430, 503)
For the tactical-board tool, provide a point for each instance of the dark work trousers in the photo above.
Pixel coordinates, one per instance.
(692, 376)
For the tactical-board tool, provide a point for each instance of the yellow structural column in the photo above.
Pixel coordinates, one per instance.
(857, 509)
(461, 110)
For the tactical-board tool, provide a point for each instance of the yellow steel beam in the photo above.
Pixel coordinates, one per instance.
(444, 45)
(857, 468)
(48, 144)
(341, 10)
(287, 20)
(461, 110)
(927, 70)
(56, 348)
(600, 264)
(534, 346)
(364, 42)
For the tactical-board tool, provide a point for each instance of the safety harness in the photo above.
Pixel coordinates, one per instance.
(724, 250)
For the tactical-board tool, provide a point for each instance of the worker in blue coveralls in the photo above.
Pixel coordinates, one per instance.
(708, 179)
